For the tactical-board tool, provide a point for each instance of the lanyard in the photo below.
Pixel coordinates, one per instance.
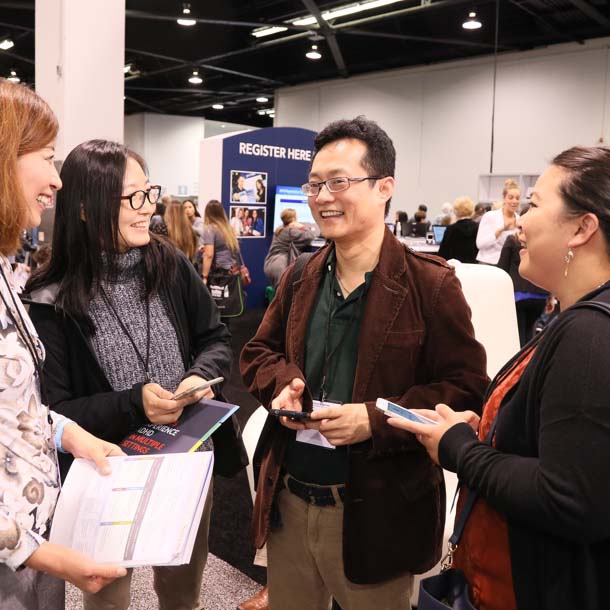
(23, 332)
(328, 355)
(145, 362)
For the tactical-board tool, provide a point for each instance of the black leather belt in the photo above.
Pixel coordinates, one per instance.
(318, 495)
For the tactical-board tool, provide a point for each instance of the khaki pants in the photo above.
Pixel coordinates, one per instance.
(305, 564)
(177, 587)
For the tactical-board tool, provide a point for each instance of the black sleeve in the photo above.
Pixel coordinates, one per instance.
(109, 415)
(506, 254)
(209, 339)
(445, 250)
(565, 489)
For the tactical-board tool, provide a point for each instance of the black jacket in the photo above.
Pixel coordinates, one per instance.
(74, 383)
(460, 241)
(550, 470)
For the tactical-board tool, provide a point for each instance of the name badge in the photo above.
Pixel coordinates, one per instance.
(314, 437)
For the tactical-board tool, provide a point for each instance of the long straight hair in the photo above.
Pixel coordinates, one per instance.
(86, 232)
(214, 215)
(27, 124)
(180, 229)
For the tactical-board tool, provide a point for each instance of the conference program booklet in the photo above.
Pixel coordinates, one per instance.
(145, 513)
(196, 424)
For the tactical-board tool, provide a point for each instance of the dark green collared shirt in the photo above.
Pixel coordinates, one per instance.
(331, 356)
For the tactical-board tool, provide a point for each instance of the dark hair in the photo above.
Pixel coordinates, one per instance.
(402, 216)
(586, 184)
(419, 216)
(85, 234)
(380, 157)
(423, 208)
(197, 214)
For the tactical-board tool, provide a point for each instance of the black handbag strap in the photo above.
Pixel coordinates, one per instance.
(472, 496)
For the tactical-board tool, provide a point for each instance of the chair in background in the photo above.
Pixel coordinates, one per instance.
(490, 296)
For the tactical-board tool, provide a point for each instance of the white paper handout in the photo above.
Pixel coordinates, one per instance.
(145, 513)
(313, 437)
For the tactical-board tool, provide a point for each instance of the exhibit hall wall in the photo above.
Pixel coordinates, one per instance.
(440, 116)
(170, 146)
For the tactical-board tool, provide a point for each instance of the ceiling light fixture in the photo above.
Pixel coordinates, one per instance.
(262, 99)
(195, 79)
(217, 106)
(13, 78)
(186, 19)
(267, 31)
(340, 11)
(6, 44)
(472, 23)
(313, 53)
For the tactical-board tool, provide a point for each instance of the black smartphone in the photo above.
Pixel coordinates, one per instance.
(294, 415)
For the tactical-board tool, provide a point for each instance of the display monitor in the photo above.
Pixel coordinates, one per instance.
(439, 233)
(292, 197)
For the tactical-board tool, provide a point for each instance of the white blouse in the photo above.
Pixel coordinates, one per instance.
(488, 244)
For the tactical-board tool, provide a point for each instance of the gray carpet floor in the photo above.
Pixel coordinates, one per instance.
(224, 587)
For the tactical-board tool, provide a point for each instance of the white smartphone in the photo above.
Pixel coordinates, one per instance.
(201, 386)
(391, 408)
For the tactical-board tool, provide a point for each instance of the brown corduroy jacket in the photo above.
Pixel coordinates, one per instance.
(416, 348)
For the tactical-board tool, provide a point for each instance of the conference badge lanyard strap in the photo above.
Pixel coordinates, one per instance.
(28, 340)
(314, 437)
(149, 378)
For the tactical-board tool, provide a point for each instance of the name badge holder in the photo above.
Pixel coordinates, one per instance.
(314, 437)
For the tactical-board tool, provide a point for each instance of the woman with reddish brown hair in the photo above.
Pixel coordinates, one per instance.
(180, 229)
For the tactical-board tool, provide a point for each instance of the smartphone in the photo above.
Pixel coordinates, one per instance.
(293, 415)
(201, 386)
(391, 408)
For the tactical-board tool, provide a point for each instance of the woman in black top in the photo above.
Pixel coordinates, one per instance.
(546, 473)
(126, 323)
(460, 239)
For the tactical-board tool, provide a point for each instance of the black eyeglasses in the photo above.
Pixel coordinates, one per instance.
(334, 185)
(137, 198)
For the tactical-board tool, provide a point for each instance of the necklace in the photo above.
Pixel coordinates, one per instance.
(343, 288)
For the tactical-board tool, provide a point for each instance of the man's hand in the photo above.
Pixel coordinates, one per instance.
(430, 436)
(82, 444)
(159, 406)
(344, 425)
(70, 565)
(191, 382)
(290, 398)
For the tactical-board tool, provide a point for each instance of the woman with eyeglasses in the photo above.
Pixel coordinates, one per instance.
(32, 570)
(127, 323)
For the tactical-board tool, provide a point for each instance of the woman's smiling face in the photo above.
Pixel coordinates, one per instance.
(133, 224)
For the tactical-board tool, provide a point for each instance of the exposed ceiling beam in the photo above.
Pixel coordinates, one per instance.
(177, 90)
(225, 22)
(544, 23)
(14, 26)
(184, 63)
(143, 104)
(591, 12)
(329, 35)
(449, 41)
(26, 6)
(26, 60)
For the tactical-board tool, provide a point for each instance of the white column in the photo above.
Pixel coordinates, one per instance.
(80, 54)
